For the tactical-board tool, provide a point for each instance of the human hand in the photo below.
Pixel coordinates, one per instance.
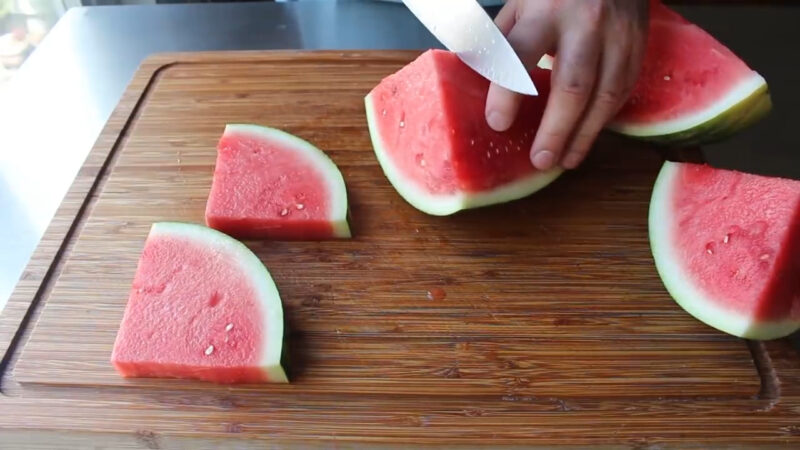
(599, 45)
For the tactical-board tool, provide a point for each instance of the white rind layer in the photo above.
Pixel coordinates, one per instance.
(442, 205)
(326, 167)
(266, 292)
(678, 281)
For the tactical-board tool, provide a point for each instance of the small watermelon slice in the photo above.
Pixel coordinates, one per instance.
(727, 246)
(692, 89)
(202, 306)
(271, 184)
(430, 136)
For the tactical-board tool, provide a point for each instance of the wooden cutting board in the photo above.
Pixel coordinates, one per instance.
(549, 324)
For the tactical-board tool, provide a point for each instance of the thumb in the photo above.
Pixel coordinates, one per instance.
(531, 40)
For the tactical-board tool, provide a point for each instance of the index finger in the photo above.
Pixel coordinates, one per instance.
(530, 39)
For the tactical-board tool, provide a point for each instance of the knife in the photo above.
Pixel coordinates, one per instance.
(466, 30)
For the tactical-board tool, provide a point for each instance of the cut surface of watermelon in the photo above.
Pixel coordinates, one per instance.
(692, 89)
(430, 136)
(201, 306)
(727, 246)
(271, 184)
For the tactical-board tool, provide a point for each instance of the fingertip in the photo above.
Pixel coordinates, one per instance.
(572, 162)
(498, 121)
(501, 107)
(543, 159)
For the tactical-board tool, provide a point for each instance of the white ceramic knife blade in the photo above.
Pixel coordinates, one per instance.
(466, 30)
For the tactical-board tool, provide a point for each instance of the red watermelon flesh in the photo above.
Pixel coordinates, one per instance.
(686, 71)
(430, 134)
(727, 245)
(202, 306)
(270, 184)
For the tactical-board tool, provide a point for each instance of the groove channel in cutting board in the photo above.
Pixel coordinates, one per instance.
(554, 295)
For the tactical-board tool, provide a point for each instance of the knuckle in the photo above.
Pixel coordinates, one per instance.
(575, 86)
(610, 97)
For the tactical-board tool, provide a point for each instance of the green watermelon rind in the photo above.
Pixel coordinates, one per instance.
(677, 281)
(322, 162)
(742, 107)
(267, 293)
(443, 205)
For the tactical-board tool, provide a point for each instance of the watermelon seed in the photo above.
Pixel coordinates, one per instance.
(300, 206)
(488, 154)
(497, 150)
(383, 112)
(667, 78)
(209, 350)
(727, 238)
(402, 124)
(229, 327)
(764, 257)
(472, 142)
(709, 251)
(284, 212)
(491, 144)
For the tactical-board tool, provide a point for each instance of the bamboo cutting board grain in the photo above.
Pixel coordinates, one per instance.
(540, 321)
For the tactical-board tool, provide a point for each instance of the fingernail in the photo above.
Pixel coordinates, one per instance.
(543, 159)
(498, 121)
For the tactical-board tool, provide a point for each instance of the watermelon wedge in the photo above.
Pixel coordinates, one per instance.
(727, 246)
(692, 89)
(431, 138)
(202, 306)
(271, 184)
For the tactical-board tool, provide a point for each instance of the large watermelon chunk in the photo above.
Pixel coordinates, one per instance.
(201, 306)
(727, 246)
(692, 89)
(271, 184)
(431, 138)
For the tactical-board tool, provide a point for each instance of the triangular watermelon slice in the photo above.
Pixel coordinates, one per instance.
(727, 246)
(691, 90)
(431, 138)
(271, 184)
(202, 306)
